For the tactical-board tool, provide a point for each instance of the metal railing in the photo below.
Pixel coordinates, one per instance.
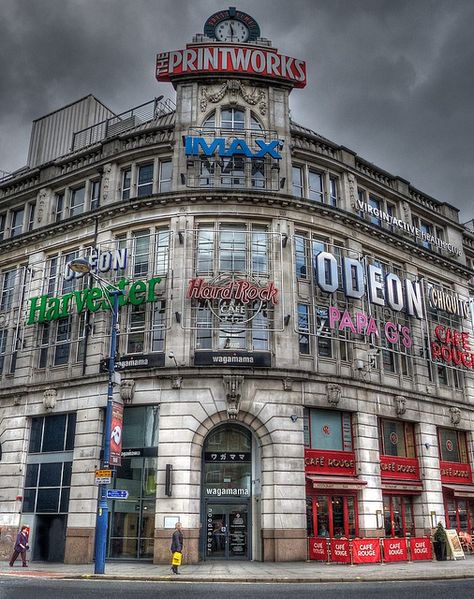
(119, 123)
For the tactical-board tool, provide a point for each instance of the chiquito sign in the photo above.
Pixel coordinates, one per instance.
(222, 59)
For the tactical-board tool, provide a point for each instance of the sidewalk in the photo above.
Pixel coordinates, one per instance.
(212, 571)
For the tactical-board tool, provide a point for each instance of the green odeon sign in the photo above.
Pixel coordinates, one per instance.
(45, 308)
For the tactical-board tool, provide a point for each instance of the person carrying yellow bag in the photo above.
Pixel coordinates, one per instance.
(176, 548)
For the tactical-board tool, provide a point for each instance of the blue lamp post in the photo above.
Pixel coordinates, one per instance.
(81, 265)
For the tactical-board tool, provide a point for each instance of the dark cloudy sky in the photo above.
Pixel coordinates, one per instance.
(391, 79)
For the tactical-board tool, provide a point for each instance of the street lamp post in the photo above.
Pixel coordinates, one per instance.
(82, 265)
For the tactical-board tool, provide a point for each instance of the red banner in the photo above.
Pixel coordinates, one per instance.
(115, 433)
(395, 550)
(366, 551)
(329, 462)
(340, 551)
(318, 549)
(453, 472)
(222, 59)
(421, 548)
(399, 468)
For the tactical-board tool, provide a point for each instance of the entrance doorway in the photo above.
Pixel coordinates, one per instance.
(227, 531)
(50, 538)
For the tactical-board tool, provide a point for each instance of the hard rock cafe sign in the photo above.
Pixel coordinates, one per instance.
(233, 300)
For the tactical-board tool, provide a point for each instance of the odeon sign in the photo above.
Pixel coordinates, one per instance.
(221, 59)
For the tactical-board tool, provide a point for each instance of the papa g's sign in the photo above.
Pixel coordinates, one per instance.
(46, 309)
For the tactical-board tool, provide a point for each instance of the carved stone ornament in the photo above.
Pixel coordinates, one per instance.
(233, 390)
(333, 393)
(352, 190)
(127, 390)
(41, 205)
(106, 181)
(234, 89)
(49, 399)
(400, 404)
(176, 382)
(287, 384)
(17, 399)
(455, 414)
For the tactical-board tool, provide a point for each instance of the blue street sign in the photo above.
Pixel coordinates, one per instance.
(117, 494)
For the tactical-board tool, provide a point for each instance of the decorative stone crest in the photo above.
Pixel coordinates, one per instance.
(176, 382)
(455, 414)
(352, 190)
(233, 390)
(234, 89)
(400, 404)
(49, 399)
(17, 399)
(333, 394)
(127, 390)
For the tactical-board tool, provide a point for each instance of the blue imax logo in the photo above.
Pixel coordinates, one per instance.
(196, 146)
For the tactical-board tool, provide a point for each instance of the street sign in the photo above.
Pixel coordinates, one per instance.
(101, 473)
(117, 494)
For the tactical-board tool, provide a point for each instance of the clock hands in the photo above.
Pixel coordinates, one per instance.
(231, 30)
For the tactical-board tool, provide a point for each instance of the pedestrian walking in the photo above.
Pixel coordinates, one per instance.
(21, 547)
(176, 548)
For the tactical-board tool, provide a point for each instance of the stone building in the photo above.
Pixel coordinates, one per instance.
(294, 334)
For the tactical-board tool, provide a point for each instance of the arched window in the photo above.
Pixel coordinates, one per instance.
(232, 119)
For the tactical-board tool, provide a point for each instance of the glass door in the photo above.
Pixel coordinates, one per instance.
(335, 516)
(227, 531)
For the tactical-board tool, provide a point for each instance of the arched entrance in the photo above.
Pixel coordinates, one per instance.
(226, 494)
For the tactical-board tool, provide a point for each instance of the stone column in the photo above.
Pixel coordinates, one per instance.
(432, 495)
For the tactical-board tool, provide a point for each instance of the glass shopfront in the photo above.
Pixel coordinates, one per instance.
(227, 469)
(132, 520)
(332, 516)
(398, 515)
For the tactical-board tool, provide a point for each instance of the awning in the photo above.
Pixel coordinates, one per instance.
(407, 487)
(336, 482)
(461, 490)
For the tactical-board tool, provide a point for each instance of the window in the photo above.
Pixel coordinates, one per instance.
(126, 183)
(145, 180)
(232, 118)
(165, 176)
(47, 487)
(8, 289)
(3, 347)
(3, 218)
(453, 446)
(377, 211)
(303, 329)
(315, 187)
(397, 438)
(52, 433)
(17, 222)
(94, 194)
(398, 515)
(297, 181)
(374, 203)
(328, 429)
(63, 342)
(77, 203)
(31, 215)
(58, 207)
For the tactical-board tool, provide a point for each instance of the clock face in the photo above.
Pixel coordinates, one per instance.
(231, 30)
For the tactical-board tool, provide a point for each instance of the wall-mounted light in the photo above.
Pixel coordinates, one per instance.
(379, 518)
(294, 417)
(284, 240)
(177, 316)
(183, 178)
(433, 519)
(286, 320)
(427, 445)
(181, 237)
(282, 182)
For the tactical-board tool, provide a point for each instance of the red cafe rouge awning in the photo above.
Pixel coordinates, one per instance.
(461, 490)
(336, 482)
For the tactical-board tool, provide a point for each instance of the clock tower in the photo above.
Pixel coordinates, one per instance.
(232, 94)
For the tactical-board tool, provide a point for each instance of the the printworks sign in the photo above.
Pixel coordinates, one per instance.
(45, 308)
(232, 59)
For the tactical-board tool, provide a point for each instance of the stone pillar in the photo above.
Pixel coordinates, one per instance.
(431, 501)
(368, 469)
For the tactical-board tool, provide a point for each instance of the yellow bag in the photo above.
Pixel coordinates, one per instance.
(177, 556)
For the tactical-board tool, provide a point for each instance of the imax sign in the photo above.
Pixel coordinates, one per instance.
(198, 146)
